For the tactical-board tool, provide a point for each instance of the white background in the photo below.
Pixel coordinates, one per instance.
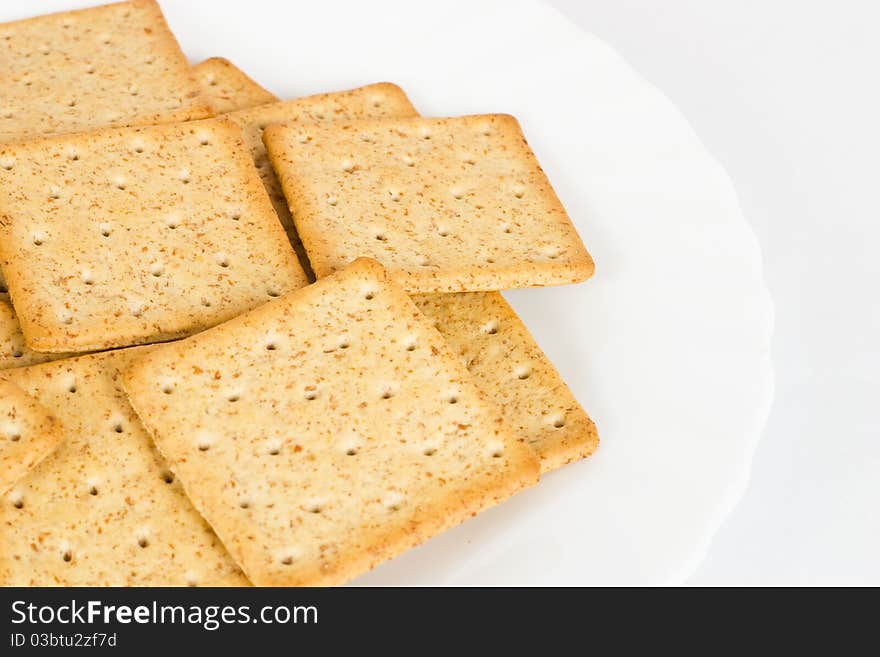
(785, 94)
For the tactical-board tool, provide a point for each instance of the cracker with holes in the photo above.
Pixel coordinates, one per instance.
(327, 431)
(14, 352)
(510, 367)
(375, 100)
(132, 235)
(447, 205)
(228, 88)
(103, 508)
(105, 66)
(28, 433)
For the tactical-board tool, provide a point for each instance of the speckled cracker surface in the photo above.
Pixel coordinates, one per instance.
(327, 431)
(446, 205)
(375, 100)
(112, 65)
(125, 236)
(28, 433)
(510, 367)
(14, 352)
(103, 508)
(228, 88)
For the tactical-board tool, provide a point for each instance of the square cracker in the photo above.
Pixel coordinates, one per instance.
(112, 65)
(103, 509)
(382, 99)
(446, 205)
(228, 88)
(513, 371)
(28, 433)
(130, 235)
(327, 431)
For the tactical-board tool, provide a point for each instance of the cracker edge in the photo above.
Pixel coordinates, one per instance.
(48, 436)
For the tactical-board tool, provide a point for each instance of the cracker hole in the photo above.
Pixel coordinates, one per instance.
(87, 279)
(332, 200)
(14, 436)
(523, 373)
(272, 292)
(490, 328)
(311, 395)
(387, 394)
(93, 490)
(118, 428)
(204, 444)
(105, 230)
(167, 388)
(17, 353)
(54, 193)
(452, 399)
(67, 555)
(244, 503)
(351, 451)
(143, 542)
(271, 345)
(344, 344)
(287, 560)
(274, 449)
(156, 270)
(184, 177)
(7, 163)
(408, 161)
(315, 508)
(443, 232)
(71, 388)
(38, 240)
(233, 398)
(369, 296)
(235, 215)
(381, 237)
(171, 222)
(429, 451)
(168, 477)
(18, 501)
(559, 422)
(348, 166)
(206, 303)
(411, 344)
(222, 260)
(73, 155)
(497, 453)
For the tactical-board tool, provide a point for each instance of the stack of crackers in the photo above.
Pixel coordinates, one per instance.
(338, 378)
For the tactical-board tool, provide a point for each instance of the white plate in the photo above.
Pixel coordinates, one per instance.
(667, 346)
